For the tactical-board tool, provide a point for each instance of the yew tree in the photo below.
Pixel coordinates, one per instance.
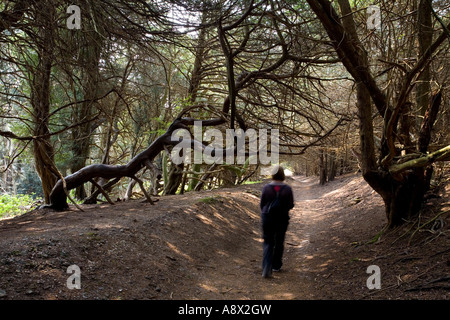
(269, 64)
(400, 167)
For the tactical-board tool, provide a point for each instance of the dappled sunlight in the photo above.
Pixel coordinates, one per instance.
(177, 251)
(239, 261)
(223, 253)
(259, 239)
(209, 287)
(333, 192)
(325, 264)
(185, 247)
(205, 219)
(280, 296)
(140, 137)
(222, 218)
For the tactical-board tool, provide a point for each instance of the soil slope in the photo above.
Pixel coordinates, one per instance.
(207, 245)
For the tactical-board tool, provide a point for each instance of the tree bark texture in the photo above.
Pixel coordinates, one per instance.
(425, 39)
(40, 98)
(81, 135)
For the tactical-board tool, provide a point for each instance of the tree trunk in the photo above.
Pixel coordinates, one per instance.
(403, 199)
(174, 179)
(425, 39)
(403, 191)
(81, 135)
(332, 166)
(175, 175)
(40, 98)
(58, 198)
(196, 77)
(322, 167)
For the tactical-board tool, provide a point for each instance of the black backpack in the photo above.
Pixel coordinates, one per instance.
(275, 205)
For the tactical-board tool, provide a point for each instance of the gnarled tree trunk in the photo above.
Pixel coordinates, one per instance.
(58, 197)
(401, 185)
(40, 98)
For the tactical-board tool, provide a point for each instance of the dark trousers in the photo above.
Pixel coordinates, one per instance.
(274, 231)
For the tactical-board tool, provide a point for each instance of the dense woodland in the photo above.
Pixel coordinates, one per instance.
(88, 113)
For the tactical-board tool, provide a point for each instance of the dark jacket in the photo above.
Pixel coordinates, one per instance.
(286, 197)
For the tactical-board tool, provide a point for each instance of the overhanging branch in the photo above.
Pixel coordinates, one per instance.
(439, 155)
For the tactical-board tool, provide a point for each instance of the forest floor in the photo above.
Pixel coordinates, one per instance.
(207, 245)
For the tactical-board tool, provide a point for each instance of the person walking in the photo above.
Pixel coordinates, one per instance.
(276, 201)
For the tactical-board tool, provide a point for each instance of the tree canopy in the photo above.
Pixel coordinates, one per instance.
(346, 88)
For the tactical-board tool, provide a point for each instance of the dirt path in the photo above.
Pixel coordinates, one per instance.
(242, 279)
(311, 248)
(328, 251)
(207, 245)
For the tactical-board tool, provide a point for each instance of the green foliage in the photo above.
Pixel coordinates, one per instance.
(29, 183)
(193, 182)
(165, 168)
(234, 168)
(14, 205)
(209, 200)
(252, 182)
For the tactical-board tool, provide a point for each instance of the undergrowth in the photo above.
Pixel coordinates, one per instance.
(14, 205)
